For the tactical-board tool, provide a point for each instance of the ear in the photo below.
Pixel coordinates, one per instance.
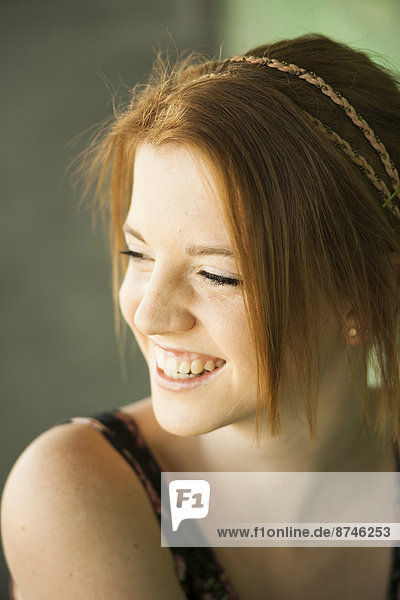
(351, 330)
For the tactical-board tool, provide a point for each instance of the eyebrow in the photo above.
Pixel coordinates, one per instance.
(190, 249)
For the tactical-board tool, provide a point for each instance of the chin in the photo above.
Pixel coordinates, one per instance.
(187, 418)
(178, 423)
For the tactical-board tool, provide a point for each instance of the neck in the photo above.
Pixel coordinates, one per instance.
(341, 442)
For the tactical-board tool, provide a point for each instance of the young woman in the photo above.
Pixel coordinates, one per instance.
(258, 197)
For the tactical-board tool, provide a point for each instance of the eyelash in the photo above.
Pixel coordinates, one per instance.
(211, 278)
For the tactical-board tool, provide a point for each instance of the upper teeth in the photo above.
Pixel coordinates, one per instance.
(170, 364)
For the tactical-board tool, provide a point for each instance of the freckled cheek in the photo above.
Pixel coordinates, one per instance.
(234, 333)
(129, 300)
(246, 351)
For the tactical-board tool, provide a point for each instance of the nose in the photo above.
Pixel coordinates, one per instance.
(164, 307)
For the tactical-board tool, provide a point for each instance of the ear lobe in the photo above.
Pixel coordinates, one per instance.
(352, 333)
(349, 326)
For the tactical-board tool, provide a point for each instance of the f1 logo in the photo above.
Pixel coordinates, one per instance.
(189, 499)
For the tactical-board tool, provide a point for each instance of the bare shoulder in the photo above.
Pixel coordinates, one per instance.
(75, 516)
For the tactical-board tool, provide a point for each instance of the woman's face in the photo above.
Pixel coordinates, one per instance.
(179, 295)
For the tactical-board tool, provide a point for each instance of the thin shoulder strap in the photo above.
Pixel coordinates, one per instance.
(124, 434)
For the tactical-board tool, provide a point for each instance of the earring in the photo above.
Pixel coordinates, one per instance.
(352, 331)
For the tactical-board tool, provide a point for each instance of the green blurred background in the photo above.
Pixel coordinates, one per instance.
(367, 24)
(59, 356)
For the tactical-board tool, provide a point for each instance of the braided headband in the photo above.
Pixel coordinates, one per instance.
(356, 118)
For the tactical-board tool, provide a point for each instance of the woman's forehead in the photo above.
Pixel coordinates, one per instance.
(174, 179)
(175, 163)
(174, 191)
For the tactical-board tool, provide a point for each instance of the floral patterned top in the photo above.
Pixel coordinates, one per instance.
(200, 574)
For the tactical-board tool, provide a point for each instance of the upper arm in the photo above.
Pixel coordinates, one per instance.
(76, 518)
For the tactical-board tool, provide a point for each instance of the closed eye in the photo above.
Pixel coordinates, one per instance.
(220, 279)
(211, 278)
(132, 254)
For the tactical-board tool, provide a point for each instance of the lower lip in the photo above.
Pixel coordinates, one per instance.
(178, 385)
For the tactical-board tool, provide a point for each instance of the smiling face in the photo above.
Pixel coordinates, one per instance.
(182, 295)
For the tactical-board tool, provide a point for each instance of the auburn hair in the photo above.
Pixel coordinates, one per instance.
(307, 226)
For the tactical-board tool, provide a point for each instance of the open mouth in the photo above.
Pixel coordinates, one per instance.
(175, 373)
(187, 366)
(174, 383)
(187, 376)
